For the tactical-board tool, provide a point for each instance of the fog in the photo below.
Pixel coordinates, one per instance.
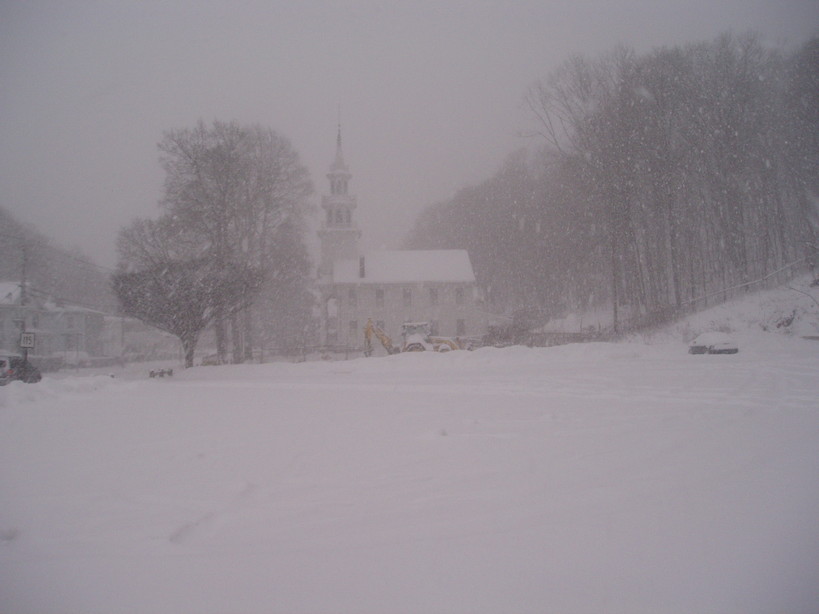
(428, 93)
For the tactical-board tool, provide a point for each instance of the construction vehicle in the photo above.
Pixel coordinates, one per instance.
(418, 337)
(370, 331)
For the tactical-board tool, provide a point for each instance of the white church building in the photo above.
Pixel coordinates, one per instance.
(387, 287)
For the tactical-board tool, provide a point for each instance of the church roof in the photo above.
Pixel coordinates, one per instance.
(406, 266)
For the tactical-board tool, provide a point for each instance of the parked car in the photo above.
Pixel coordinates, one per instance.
(13, 367)
(713, 343)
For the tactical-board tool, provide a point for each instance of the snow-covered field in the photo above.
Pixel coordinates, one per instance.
(628, 477)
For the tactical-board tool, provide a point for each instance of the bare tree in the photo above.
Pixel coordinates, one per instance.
(181, 297)
(232, 187)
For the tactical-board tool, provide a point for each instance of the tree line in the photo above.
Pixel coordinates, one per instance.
(67, 275)
(662, 181)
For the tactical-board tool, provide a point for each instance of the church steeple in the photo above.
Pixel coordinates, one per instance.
(339, 161)
(339, 234)
(339, 174)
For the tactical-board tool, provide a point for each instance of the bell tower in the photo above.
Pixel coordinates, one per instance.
(339, 234)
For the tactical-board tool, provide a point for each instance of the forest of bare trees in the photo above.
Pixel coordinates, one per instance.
(663, 182)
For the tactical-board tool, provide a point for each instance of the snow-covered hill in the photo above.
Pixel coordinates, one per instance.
(791, 310)
(627, 477)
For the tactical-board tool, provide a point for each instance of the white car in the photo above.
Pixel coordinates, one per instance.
(713, 343)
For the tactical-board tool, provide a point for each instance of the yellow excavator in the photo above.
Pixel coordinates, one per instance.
(370, 331)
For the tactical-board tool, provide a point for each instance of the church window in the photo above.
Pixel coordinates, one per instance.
(459, 296)
(433, 296)
(353, 329)
(460, 327)
(379, 297)
(407, 297)
(339, 217)
(433, 327)
(329, 216)
(332, 307)
(353, 298)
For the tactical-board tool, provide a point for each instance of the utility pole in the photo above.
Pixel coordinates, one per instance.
(23, 300)
(23, 297)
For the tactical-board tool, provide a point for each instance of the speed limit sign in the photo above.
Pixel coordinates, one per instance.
(27, 341)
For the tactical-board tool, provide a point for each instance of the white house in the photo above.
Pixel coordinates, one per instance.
(58, 327)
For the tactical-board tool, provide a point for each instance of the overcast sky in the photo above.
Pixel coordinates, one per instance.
(430, 91)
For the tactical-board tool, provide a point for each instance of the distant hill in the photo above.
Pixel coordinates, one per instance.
(65, 274)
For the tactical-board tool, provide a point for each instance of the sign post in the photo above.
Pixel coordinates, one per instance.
(26, 343)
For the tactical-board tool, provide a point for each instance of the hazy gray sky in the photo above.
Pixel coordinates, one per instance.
(430, 92)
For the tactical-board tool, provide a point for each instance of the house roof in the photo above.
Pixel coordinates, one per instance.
(10, 296)
(406, 266)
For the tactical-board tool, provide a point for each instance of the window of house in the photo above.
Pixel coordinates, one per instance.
(433, 296)
(407, 297)
(460, 327)
(379, 297)
(353, 328)
(459, 296)
(353, 298)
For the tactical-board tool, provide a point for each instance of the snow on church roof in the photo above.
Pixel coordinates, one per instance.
(406, 266)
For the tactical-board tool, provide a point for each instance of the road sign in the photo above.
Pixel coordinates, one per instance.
(27, 341)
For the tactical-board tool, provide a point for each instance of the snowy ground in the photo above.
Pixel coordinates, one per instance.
(629, 477)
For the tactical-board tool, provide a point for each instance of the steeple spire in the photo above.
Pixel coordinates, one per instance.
(338, 163)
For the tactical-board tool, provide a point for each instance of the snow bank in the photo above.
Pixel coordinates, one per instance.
(50, 388)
